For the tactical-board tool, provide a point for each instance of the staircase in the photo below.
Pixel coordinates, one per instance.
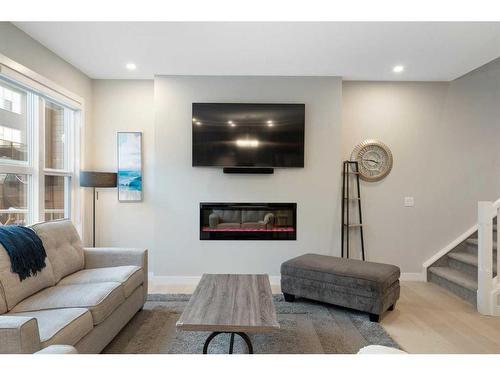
(457, 270)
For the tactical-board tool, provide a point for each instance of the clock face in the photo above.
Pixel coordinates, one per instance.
(374, 160)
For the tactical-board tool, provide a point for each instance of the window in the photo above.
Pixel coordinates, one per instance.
(13, 123)
(56, 196)
(36, 156)
(58, 121)
(10, 100)
(54, 136)
(13, 198)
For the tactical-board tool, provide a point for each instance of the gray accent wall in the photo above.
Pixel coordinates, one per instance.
(179, 188)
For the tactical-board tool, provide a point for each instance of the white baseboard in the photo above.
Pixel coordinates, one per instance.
(191, 280)
(274, 280)
(174, 280)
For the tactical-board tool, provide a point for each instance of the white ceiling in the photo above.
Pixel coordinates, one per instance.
(353, 50)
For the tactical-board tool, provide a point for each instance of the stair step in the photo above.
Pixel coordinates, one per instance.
(466, 258)
(474, 242)
(462, 279)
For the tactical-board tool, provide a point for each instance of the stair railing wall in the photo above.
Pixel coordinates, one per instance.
(488, 291)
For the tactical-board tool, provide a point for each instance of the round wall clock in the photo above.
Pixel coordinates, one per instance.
(374, 160)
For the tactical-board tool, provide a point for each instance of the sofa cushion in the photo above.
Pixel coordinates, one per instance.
(15, 290)
(380, 349)
(61, 326)
(252, 216)
(58, 349)
(3, 303)
(353, 273)
(100, 298)
(229, 216)
(129, 276)
(63, 246)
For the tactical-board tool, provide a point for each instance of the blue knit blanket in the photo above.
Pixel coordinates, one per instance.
(26, 252)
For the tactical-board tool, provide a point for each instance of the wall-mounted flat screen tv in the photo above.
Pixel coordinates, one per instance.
(248, 135)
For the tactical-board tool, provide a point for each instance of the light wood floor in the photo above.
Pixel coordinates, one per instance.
(427, 319)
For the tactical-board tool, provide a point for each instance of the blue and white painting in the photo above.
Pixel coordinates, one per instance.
(129, 166)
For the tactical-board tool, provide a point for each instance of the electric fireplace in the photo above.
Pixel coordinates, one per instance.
(248, 221)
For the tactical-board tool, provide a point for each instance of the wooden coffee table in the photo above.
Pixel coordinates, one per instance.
(234, 304)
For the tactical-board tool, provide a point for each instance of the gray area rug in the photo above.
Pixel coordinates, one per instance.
(306, 327)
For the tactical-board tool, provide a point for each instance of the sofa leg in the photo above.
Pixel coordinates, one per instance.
(391, 308)
(374, 318)
(289, 297)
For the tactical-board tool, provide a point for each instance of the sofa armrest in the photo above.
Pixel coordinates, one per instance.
(19, 335)
(269, 220)
(213, 220)
(58, 349)
(380, 349)
(99, 257)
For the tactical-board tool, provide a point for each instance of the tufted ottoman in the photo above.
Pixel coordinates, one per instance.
(365, 286)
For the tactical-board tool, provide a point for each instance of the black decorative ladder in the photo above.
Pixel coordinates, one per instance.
(346, 199)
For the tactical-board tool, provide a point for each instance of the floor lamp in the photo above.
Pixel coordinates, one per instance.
(97, 180)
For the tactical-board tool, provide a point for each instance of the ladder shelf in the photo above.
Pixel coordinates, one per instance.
(346, 224)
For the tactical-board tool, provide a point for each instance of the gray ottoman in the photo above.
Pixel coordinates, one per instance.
(365, 286)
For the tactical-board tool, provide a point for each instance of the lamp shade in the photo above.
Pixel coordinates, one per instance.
(97, 179)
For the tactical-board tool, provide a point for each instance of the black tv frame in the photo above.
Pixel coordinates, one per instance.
(258, 169)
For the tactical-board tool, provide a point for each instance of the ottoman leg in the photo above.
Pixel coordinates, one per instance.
(289, 297)
(374, 318)
(391, 308)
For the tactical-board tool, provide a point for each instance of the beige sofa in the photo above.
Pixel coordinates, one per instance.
(83, 297)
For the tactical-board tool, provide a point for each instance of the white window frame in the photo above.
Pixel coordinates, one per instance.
(68, 169)
(35, 166)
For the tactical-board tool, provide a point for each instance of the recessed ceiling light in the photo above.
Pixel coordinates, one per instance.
(270, 123)
(131, 66)
(194, 119)
(198, 123)
(398, 69)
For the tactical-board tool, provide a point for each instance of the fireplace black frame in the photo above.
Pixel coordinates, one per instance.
(248, 235)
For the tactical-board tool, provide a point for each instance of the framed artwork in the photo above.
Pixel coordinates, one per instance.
(129, 166)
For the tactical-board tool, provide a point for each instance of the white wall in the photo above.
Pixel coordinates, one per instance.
(123, 105)
(20, 47)
(180, 187)
(442, 136)
(444, 139)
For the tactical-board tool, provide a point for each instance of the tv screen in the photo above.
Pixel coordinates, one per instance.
(248, 135)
